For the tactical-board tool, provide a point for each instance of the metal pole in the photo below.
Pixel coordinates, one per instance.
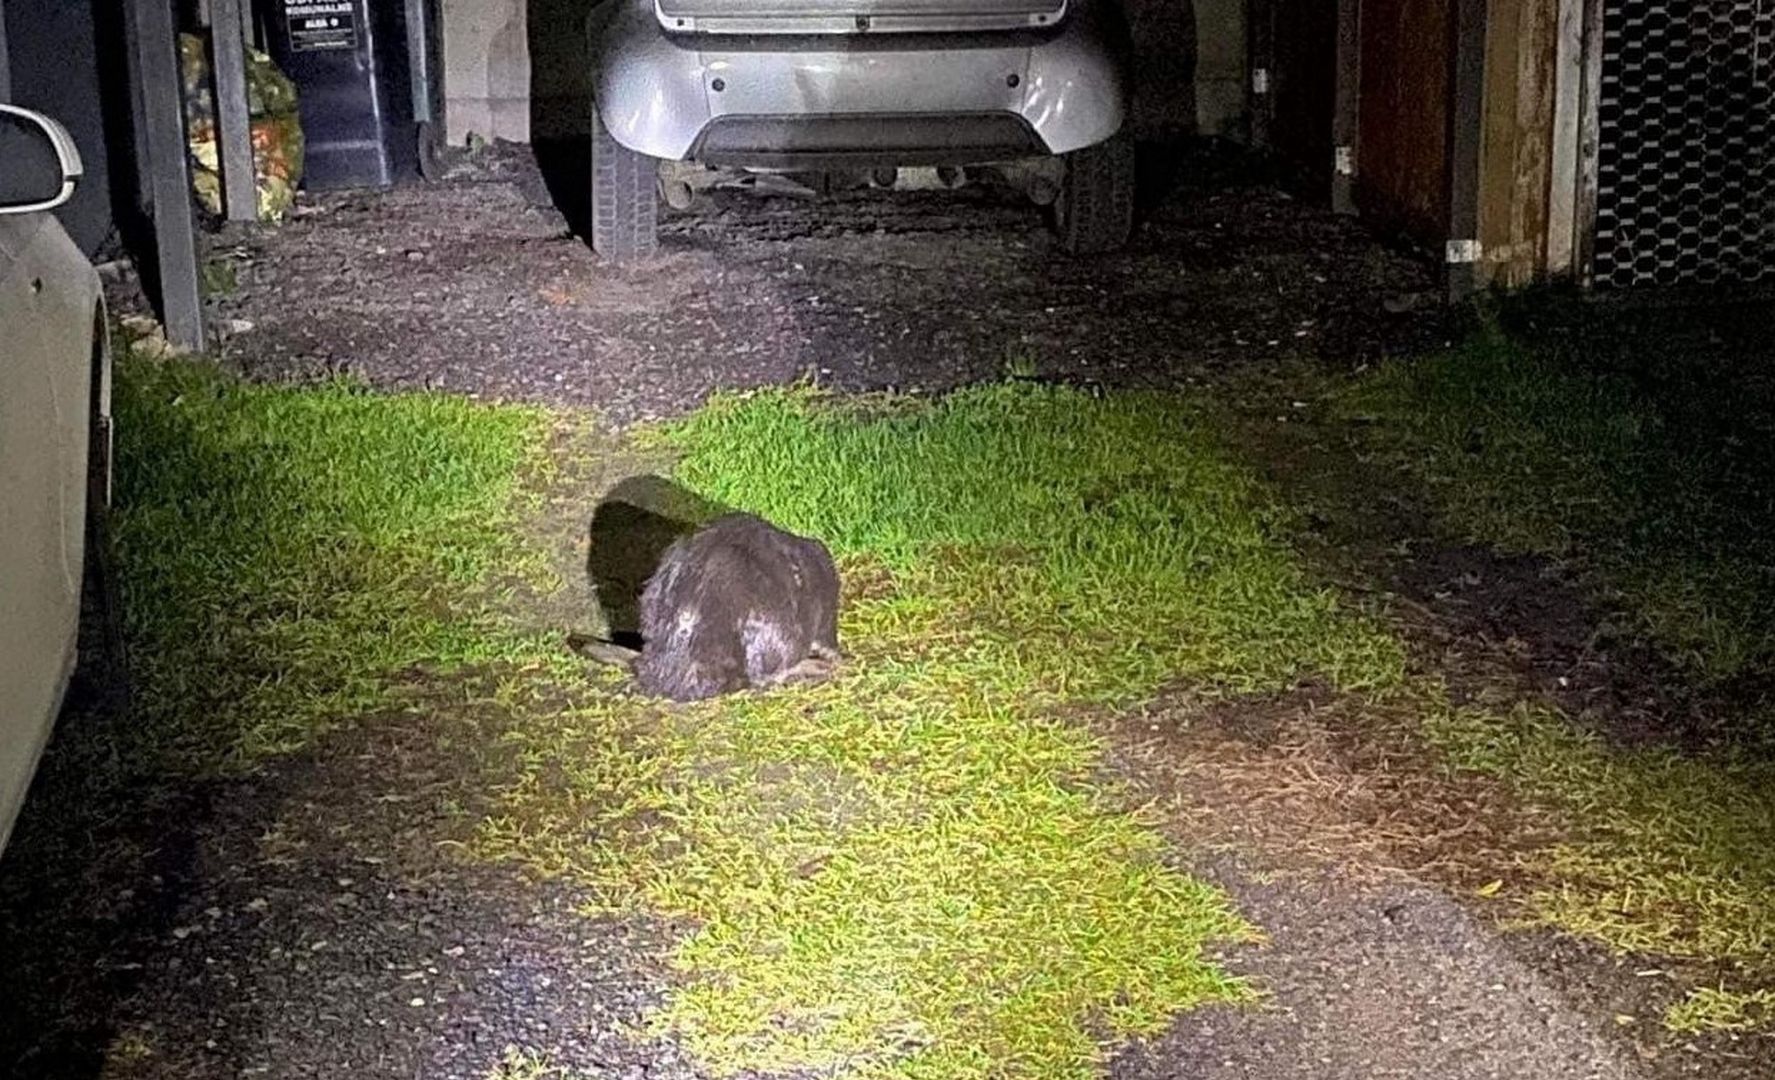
(234, 136)
(419, 59)
(169, 179)
(138, 117)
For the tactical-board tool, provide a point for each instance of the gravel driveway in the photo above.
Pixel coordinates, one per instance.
(480, 286)
(311, 921)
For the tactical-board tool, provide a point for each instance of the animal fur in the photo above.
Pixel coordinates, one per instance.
(737, 604)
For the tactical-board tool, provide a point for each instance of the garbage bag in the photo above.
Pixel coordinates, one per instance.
(275, 126)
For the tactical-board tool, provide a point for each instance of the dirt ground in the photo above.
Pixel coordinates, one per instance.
(481, 286)
(313, 920)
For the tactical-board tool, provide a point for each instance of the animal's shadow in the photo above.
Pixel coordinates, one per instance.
(630, 530)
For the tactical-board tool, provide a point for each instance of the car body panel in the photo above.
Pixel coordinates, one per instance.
(50, 303)
(656, 91)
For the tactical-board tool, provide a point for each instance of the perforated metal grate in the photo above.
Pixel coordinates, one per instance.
(1685, 126)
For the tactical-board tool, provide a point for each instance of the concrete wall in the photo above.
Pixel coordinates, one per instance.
(516, 69)
(486, 69)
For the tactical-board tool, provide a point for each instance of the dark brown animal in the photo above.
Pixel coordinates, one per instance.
(737, 604)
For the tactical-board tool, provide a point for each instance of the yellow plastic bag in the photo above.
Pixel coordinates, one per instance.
(275, 126)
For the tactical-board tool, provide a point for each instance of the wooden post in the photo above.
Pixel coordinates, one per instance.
(1568, 97)
(169, 177)
(1347, 97)
(1260, 88)
(1584, 201)
(234, 136)
(5, 59)
(1466, 125)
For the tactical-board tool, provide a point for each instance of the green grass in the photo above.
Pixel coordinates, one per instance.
(1111, 538)
(285, 551)
(1637, 465)
(1660, 489)
(922, 869)
(918, 870)
(1670, 855)
(1715, 1009)
(519, 1064)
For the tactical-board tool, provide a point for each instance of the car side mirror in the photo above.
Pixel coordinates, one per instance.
(39, 162)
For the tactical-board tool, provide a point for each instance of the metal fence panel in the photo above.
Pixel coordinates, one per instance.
(1685, 194)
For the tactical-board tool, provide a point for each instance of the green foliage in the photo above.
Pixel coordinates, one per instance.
(1523, 448)
(1109, 537)
(1668, 855)
(1642, 462)
(917, 869)
(1715, 1009)
(284, 551)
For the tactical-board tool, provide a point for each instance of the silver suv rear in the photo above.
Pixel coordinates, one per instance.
(1034, 89)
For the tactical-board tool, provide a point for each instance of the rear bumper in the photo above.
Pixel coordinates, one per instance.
(800, 142)
(913, 99)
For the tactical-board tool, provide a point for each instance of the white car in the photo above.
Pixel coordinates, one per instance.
(55, 402)
(1034, 90)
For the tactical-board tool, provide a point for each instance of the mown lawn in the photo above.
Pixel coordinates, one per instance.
(915, 870)
(922, 868)
(285, 551)
(912, 871)
(1633, 451)
(1641, 464)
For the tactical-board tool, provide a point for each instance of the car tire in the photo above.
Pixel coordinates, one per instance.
(430, 151)
(625, 198)
(1095, 210)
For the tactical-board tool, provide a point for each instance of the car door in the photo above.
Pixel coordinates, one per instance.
(49, 305)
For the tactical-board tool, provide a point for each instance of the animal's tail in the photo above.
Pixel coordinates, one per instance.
(604, 652)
